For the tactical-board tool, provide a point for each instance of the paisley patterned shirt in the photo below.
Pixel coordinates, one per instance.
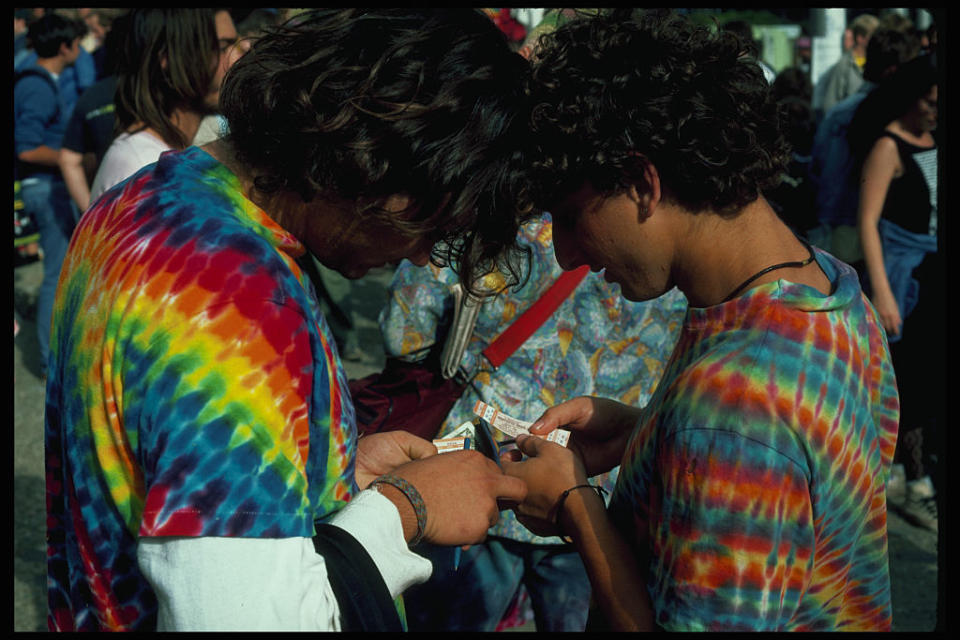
(754, 483)
(595, 343)
(194, 388)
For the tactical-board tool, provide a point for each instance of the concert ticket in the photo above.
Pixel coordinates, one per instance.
(514, 427)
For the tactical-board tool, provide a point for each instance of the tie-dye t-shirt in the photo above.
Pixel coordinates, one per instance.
(194, 388)
(595, 343)
(754, 483)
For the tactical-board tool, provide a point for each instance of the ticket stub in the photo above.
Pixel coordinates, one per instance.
(514, 427)
(560, 436)
(446, 445)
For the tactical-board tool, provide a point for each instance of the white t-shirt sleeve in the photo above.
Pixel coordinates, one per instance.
(261, 584)
(124, 157)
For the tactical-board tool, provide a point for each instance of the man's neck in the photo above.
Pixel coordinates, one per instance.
(719, 253)
(54, 65)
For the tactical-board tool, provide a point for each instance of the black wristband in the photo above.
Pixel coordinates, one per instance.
(563, 496)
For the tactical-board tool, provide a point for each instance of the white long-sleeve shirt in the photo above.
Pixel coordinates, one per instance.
(271, 584)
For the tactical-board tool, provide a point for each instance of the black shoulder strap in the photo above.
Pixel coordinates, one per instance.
(365, 602)
(40, 74)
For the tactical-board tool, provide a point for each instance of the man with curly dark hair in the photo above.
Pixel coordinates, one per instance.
(751, 487)
(203, 465)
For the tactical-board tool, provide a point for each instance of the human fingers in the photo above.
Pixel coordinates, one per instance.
(511, 489)
(573, 413)
(511, 455)
(531, 445)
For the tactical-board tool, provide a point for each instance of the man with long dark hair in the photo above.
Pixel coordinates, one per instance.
(201, 441)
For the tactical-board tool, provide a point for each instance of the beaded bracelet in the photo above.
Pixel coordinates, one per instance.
(563, 496)
(419, 508)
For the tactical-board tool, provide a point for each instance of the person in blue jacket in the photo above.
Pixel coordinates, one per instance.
(39, 122)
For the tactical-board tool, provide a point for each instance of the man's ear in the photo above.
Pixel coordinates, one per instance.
(645, 190)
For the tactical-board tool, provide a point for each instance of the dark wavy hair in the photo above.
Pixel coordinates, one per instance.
(49, 32)
(609, 89)
(359, 105)
(892, 98)
(148, 89)
(888, 48)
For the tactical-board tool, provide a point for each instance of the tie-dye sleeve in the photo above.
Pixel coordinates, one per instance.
(733, 549)
(225, 424)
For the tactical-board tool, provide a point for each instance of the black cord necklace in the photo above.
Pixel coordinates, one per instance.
(782, 265)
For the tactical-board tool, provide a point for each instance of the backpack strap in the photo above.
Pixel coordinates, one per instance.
(362, 594)
(36, 72)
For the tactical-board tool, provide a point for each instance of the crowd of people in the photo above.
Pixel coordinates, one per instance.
(766, 274)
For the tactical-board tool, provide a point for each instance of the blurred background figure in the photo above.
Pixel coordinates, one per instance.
(213, 125)
(172, 62)
(21, 22)
(832, 168)
(39, 119)
(893, 133)
(754, 48)
(794, 199)
(255, 23)
(76, 77)
(90, 129)
(845, 77)
(99, 23)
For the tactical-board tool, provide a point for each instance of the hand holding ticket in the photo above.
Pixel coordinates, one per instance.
(514, 427)
(466, 434)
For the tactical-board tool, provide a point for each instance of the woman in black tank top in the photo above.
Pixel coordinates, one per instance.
(893, 131)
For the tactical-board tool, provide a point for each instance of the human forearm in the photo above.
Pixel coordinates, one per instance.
(611, 565)
(74, 175)
(879, 169)
(873, 258)
(42, 155)
(549, 470)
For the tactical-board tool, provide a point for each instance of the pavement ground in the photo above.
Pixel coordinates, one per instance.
(913, 551)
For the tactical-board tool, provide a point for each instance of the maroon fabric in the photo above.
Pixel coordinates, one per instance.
(413, 397)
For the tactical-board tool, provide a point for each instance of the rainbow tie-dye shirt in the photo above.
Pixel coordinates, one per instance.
(754, 484)
(194, 388)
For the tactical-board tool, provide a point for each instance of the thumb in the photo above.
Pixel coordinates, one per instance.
(530, 445)
(413, 446)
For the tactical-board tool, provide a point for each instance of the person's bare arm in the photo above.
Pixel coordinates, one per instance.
(612, 567)
(75, 177)
(879, 169)
(42, 155)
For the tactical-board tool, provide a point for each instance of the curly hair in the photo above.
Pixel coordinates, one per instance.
(362, 104)
(611, 90)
